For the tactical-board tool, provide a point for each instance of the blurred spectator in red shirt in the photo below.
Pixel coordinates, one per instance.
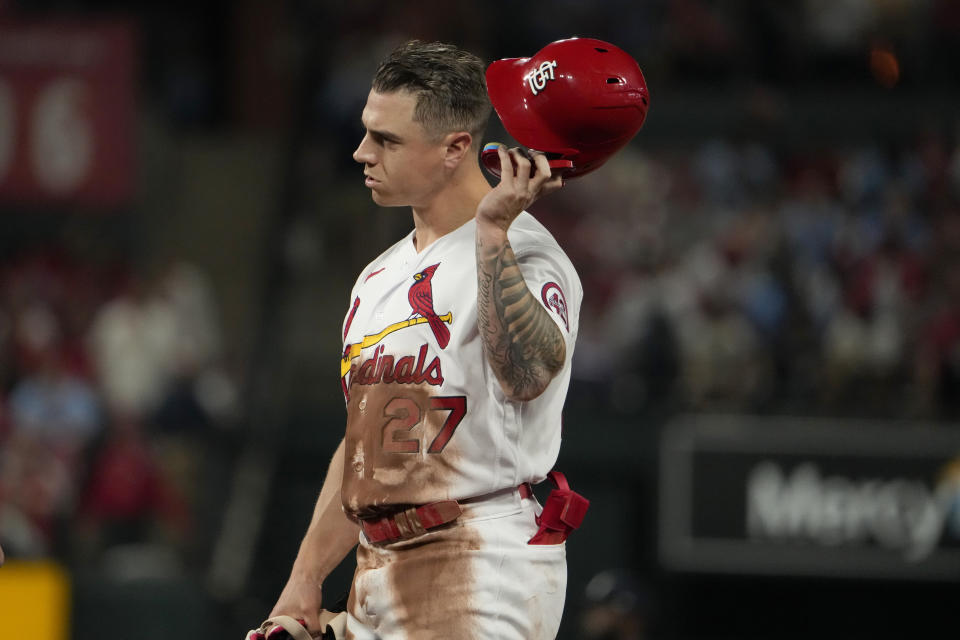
(127, 498)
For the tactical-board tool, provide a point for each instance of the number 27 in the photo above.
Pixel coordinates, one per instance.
(405, 414)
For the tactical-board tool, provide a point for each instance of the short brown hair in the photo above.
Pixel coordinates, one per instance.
(448, 83)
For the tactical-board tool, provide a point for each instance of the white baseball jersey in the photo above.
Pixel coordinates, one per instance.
(427, 419)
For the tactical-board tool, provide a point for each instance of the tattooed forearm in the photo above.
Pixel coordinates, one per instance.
(522, 344)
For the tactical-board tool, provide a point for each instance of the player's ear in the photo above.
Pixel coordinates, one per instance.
(456, 147)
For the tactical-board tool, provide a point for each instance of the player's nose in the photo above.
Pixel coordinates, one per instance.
(363, 153)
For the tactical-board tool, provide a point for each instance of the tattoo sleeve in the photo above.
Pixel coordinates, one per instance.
(520, 341)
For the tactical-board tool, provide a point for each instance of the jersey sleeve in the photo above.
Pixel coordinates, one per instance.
(554, 282)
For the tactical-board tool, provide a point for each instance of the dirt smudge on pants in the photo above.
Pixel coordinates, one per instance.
(432, 583)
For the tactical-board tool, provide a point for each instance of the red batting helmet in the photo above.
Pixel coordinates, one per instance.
(578, 100)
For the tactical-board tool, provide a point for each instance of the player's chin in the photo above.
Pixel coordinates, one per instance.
(386, 199)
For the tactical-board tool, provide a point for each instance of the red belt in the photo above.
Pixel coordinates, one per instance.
(418, 520)
(411, 522)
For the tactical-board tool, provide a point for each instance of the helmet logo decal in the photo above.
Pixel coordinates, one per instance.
(537, 79)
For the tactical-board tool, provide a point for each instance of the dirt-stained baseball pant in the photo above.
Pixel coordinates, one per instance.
(476, 579)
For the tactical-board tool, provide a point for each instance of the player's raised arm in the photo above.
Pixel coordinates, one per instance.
(330, 536)
(520, 341)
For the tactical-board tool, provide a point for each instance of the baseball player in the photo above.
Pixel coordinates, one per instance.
(457, 345)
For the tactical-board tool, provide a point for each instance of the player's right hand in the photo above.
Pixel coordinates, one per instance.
(301, 599)
(524, 177)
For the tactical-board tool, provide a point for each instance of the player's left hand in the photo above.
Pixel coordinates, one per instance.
(524, 177)
(301, 599)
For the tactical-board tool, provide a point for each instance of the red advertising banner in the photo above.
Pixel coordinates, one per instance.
(67, 111)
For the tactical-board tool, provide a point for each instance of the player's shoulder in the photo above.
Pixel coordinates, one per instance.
(527, 226)
(527, 234)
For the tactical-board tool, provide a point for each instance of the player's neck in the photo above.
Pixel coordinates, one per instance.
(450, 209)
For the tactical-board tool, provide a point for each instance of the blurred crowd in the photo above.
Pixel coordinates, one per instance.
(110, 381)
(738, 276)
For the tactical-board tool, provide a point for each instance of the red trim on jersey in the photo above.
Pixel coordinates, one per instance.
(353, 312)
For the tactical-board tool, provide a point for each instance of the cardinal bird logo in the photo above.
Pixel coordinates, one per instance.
(421, 300)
